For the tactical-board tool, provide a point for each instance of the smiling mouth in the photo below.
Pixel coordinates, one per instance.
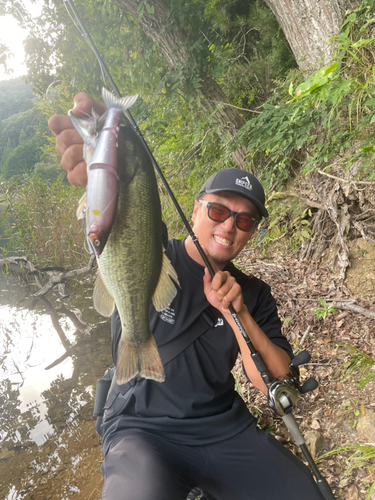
(223, 241)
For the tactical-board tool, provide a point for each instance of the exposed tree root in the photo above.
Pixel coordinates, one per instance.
(344, 210)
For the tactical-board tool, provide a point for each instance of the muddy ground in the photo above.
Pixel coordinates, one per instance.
(339, 412)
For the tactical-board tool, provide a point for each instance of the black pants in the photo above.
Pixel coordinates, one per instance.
(250, 466)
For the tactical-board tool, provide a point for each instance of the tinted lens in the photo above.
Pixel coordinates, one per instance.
(218, 213)
(244, 222)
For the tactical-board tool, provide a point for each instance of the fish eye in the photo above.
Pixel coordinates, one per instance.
(97, 243)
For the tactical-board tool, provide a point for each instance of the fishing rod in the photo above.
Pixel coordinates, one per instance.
(266, 376)
(282, 393)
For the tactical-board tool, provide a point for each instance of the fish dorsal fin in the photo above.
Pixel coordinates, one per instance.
(165, 290)
(122, 103)
(80, 213)
(103, 300)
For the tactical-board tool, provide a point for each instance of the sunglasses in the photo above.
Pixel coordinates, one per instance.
(219, 213)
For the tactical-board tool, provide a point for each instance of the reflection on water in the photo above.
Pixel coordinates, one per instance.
(14, 495)
(30, 344)
(43, 410)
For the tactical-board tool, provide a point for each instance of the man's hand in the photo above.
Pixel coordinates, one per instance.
(69, 144)
(223, 290)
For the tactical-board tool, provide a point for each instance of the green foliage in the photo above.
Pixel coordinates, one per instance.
(288, 321)
(323, 117)
(18, 11)
(287, 217)
(358, 363)
(324, 310)
(14, 425)
(361, 455)
(15, 97)
(361, 252)
(351, 412)
(48, 171)
(21, 160)
(22, 138)
(40, 222)
(247, 44)
(243, 52)
(4, 56)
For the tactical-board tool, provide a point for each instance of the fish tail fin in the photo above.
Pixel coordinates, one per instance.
(144, 361)
(165, 290)
(122, 103)
(150, 365)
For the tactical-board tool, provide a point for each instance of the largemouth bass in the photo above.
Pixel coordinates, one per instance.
(133, 268)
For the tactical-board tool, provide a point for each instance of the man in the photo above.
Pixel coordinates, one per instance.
(162, 440)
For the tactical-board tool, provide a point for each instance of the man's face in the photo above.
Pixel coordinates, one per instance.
(223, 241)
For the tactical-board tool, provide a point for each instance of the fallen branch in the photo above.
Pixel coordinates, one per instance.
(74, 350)
(23, 262)
(60, 277)
(344, 180)
(304, 336)
(319, 364)
(73, 317)
(60, 359)
(352, 307)
(233, 106)
(57, 277)
(55, 321)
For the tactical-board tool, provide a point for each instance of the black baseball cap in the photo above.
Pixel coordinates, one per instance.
(239, 182)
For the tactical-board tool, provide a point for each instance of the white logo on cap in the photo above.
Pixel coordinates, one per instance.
(244, 182)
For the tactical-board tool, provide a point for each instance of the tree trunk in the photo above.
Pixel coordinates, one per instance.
(174, 44)
(307, 24)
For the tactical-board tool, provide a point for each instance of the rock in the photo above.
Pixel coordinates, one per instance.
(366, 427)
(315, 425)
(343, 483)
(317, 413)
(351, 493)
(315, 442)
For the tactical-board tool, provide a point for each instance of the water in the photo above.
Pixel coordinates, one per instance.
(42, 410)
(31, 343)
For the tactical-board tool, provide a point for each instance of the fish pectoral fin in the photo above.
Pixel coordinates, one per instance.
(103, 300)
(80, 213)
(133, 360)
(165, 290)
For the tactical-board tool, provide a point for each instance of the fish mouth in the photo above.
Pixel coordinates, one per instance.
(223, 241)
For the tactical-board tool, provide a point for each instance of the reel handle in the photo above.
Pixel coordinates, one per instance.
(302, 358)
(310, 385)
